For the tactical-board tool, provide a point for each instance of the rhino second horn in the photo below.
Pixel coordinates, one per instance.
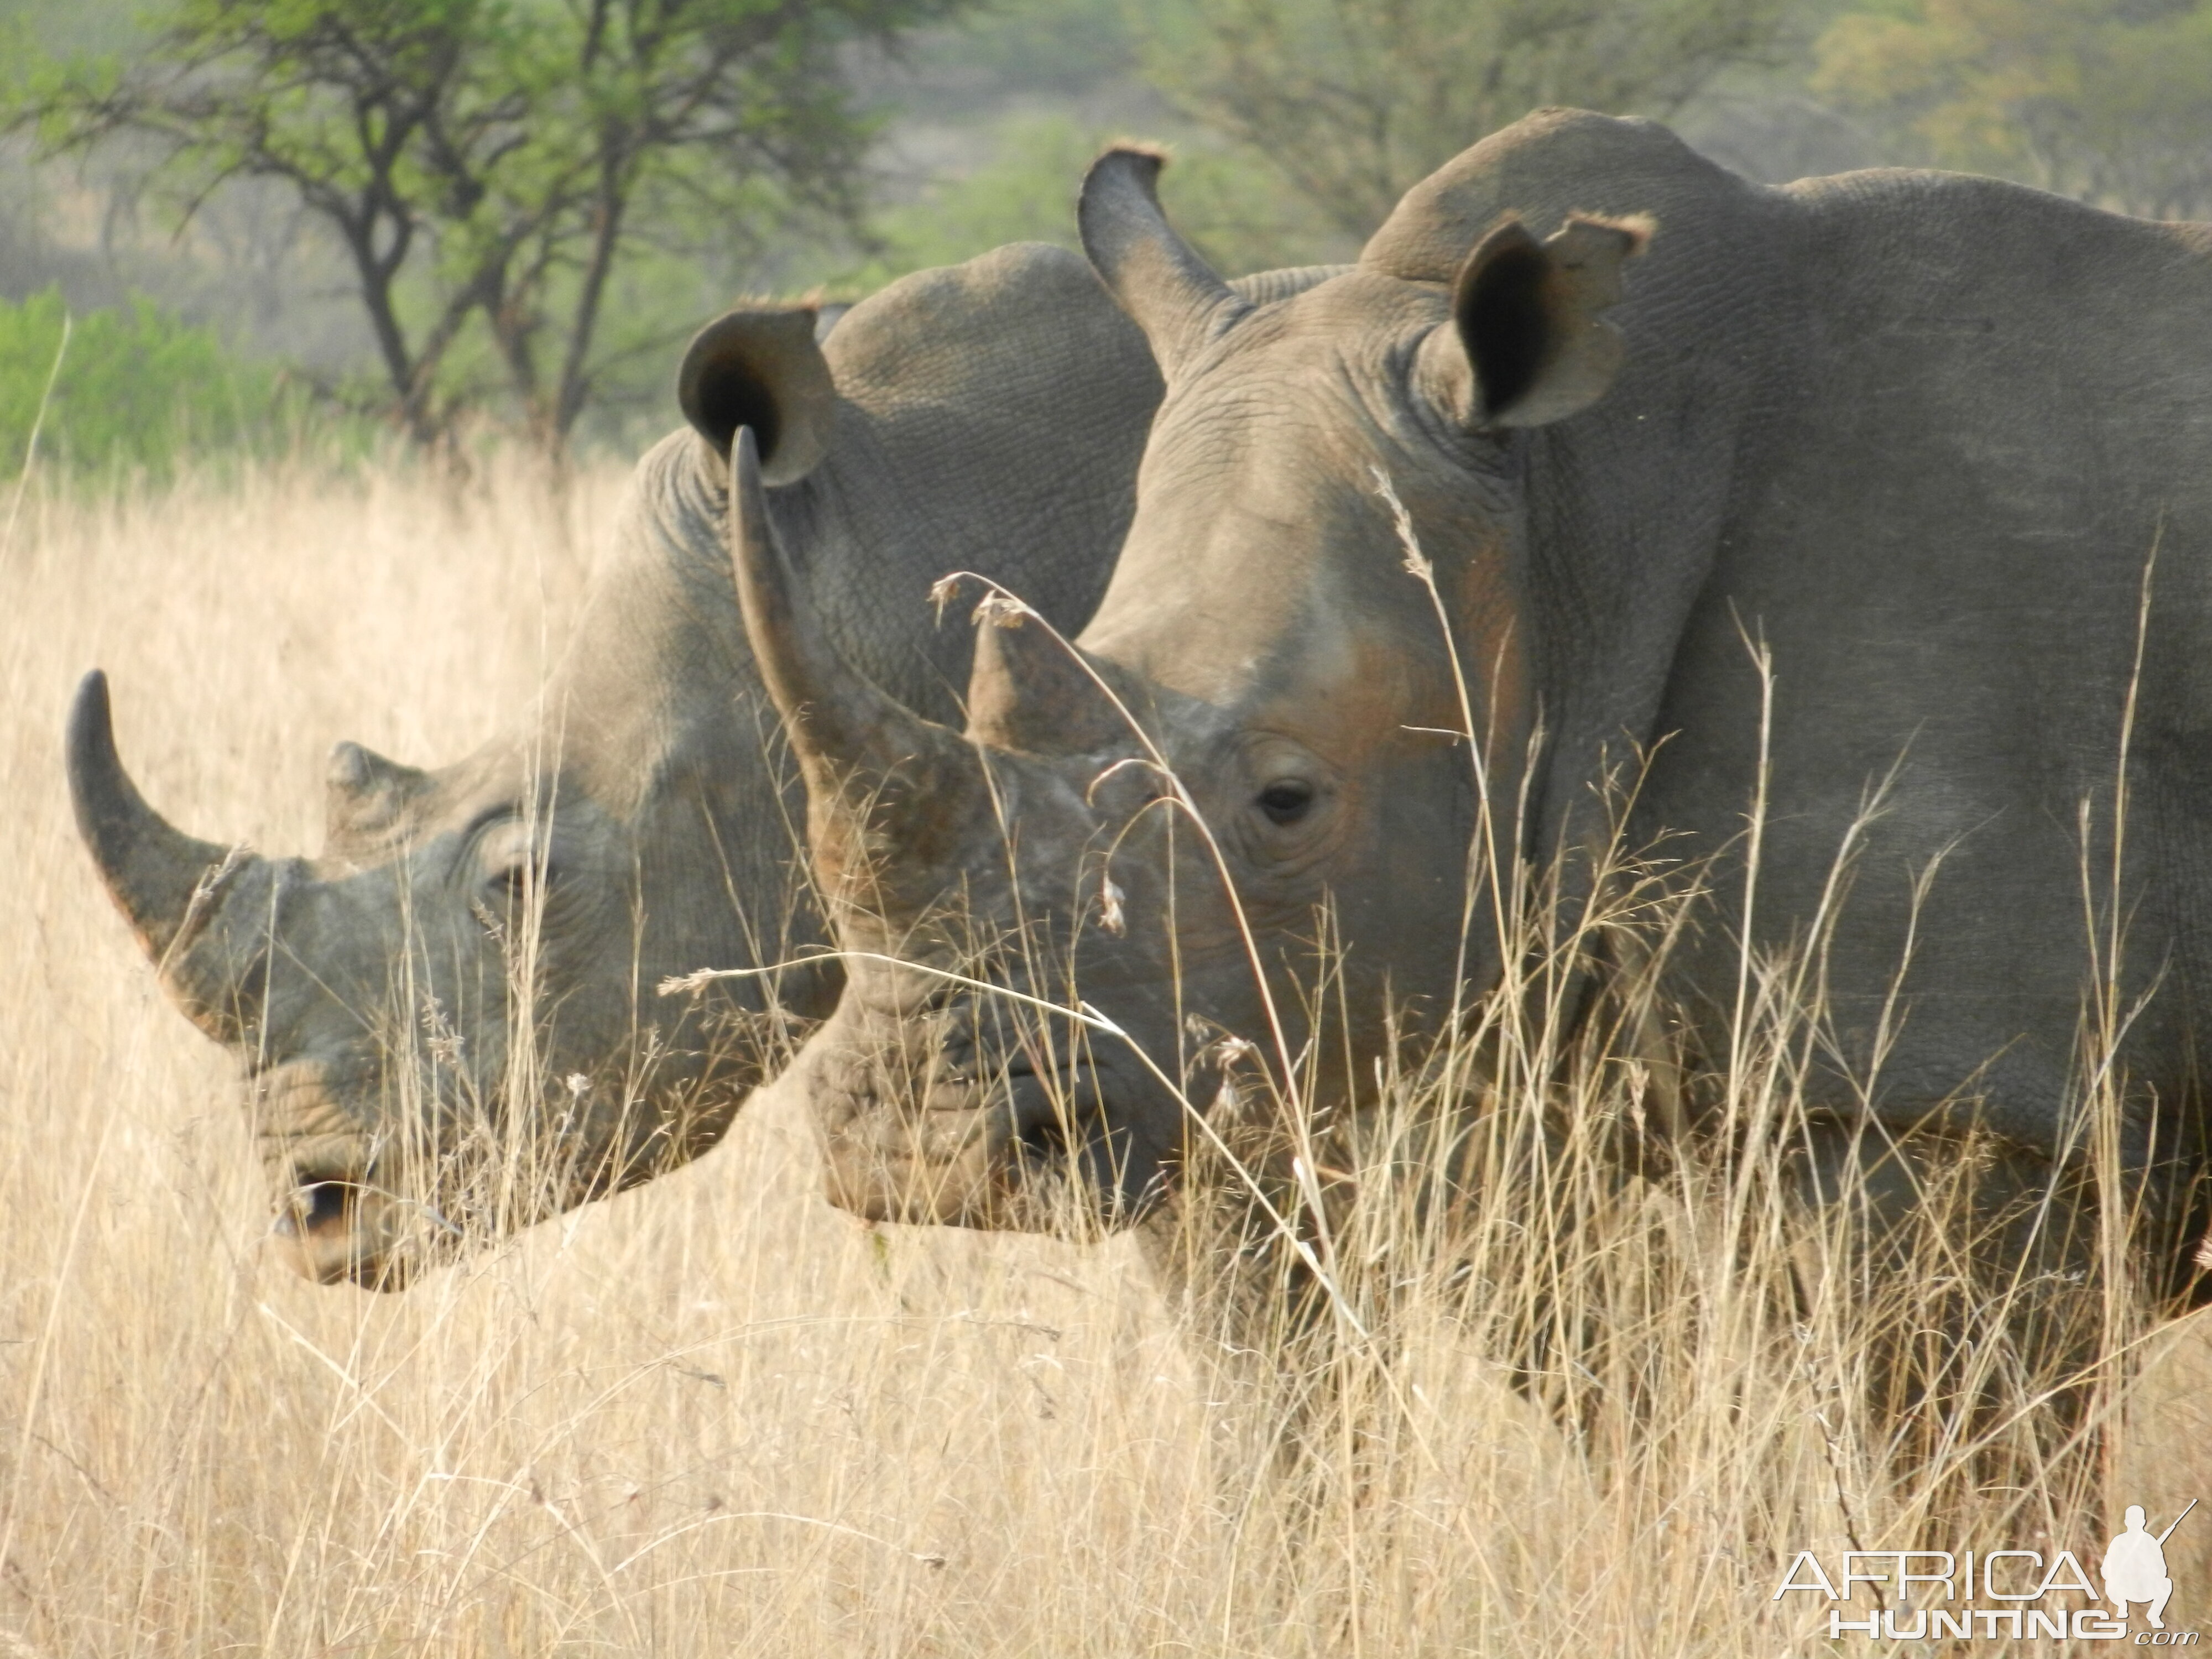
(367, 794)
(151, 868)
(1028, 690)
(1172, 294)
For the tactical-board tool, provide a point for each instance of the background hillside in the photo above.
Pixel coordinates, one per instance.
(975, 121)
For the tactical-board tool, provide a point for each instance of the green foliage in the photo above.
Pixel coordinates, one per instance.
(1054, 47)
(1027, 194)
(1234, 211)
(1356, 100)
(2107, 99)
(490, 165)
(69, 26)
(135, 387)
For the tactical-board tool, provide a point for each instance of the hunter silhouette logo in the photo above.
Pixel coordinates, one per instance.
(2134, 1567)
(1920, 1594)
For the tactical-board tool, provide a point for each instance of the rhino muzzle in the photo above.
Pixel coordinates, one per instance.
(337, 1221)
(917, 1130)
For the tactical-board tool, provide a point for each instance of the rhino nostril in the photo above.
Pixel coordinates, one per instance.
(1039, 1130)
(317, 1208)
(1042, 1106)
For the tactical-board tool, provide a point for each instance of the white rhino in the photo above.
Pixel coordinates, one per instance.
(1917, 434)
(449, 1019)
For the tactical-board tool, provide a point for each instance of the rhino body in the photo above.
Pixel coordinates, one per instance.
(1918, 434)
(449, 1020)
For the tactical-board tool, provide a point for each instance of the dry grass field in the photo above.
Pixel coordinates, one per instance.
(713, 1416)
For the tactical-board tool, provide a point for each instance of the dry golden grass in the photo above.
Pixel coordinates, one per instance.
(713, 1416)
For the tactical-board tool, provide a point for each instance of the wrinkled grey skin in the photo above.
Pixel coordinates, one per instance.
(1917, 432)
(639, 824)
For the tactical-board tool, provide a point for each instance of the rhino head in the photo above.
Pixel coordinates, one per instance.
(446, 1020)
(449, 1020)
(1274, 774)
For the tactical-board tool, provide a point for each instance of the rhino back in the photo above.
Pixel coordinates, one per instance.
(1996, 405)
(1919, 434)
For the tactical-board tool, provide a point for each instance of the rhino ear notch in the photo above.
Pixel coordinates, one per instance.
(1529, 344)
(763, 368)
(1030, 691)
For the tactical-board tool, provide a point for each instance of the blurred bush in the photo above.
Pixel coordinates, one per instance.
(2108, 101)
(1238, 216)
(134, 388)
(1353, 102)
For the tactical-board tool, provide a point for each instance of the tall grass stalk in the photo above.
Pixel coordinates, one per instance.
(38, 426)
(1591, 1404)
(1934, 1343)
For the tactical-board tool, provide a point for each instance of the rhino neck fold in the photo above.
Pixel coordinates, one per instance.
(651, 672)
(1626, 505)
(656, 717)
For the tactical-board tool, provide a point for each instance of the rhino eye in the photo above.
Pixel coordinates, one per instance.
(1287, 800)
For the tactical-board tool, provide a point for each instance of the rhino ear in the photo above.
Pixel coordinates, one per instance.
(1030, 691)
(1155, 276)
(763, 369)
(1529, 345)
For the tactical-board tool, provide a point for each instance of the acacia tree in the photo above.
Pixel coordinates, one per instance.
(2110, 100)
(495, 160)
(1357, 101)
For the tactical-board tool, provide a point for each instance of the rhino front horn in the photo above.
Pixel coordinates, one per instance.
(838, 721)
(152, 868)
(867, 758)
(169, 884)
